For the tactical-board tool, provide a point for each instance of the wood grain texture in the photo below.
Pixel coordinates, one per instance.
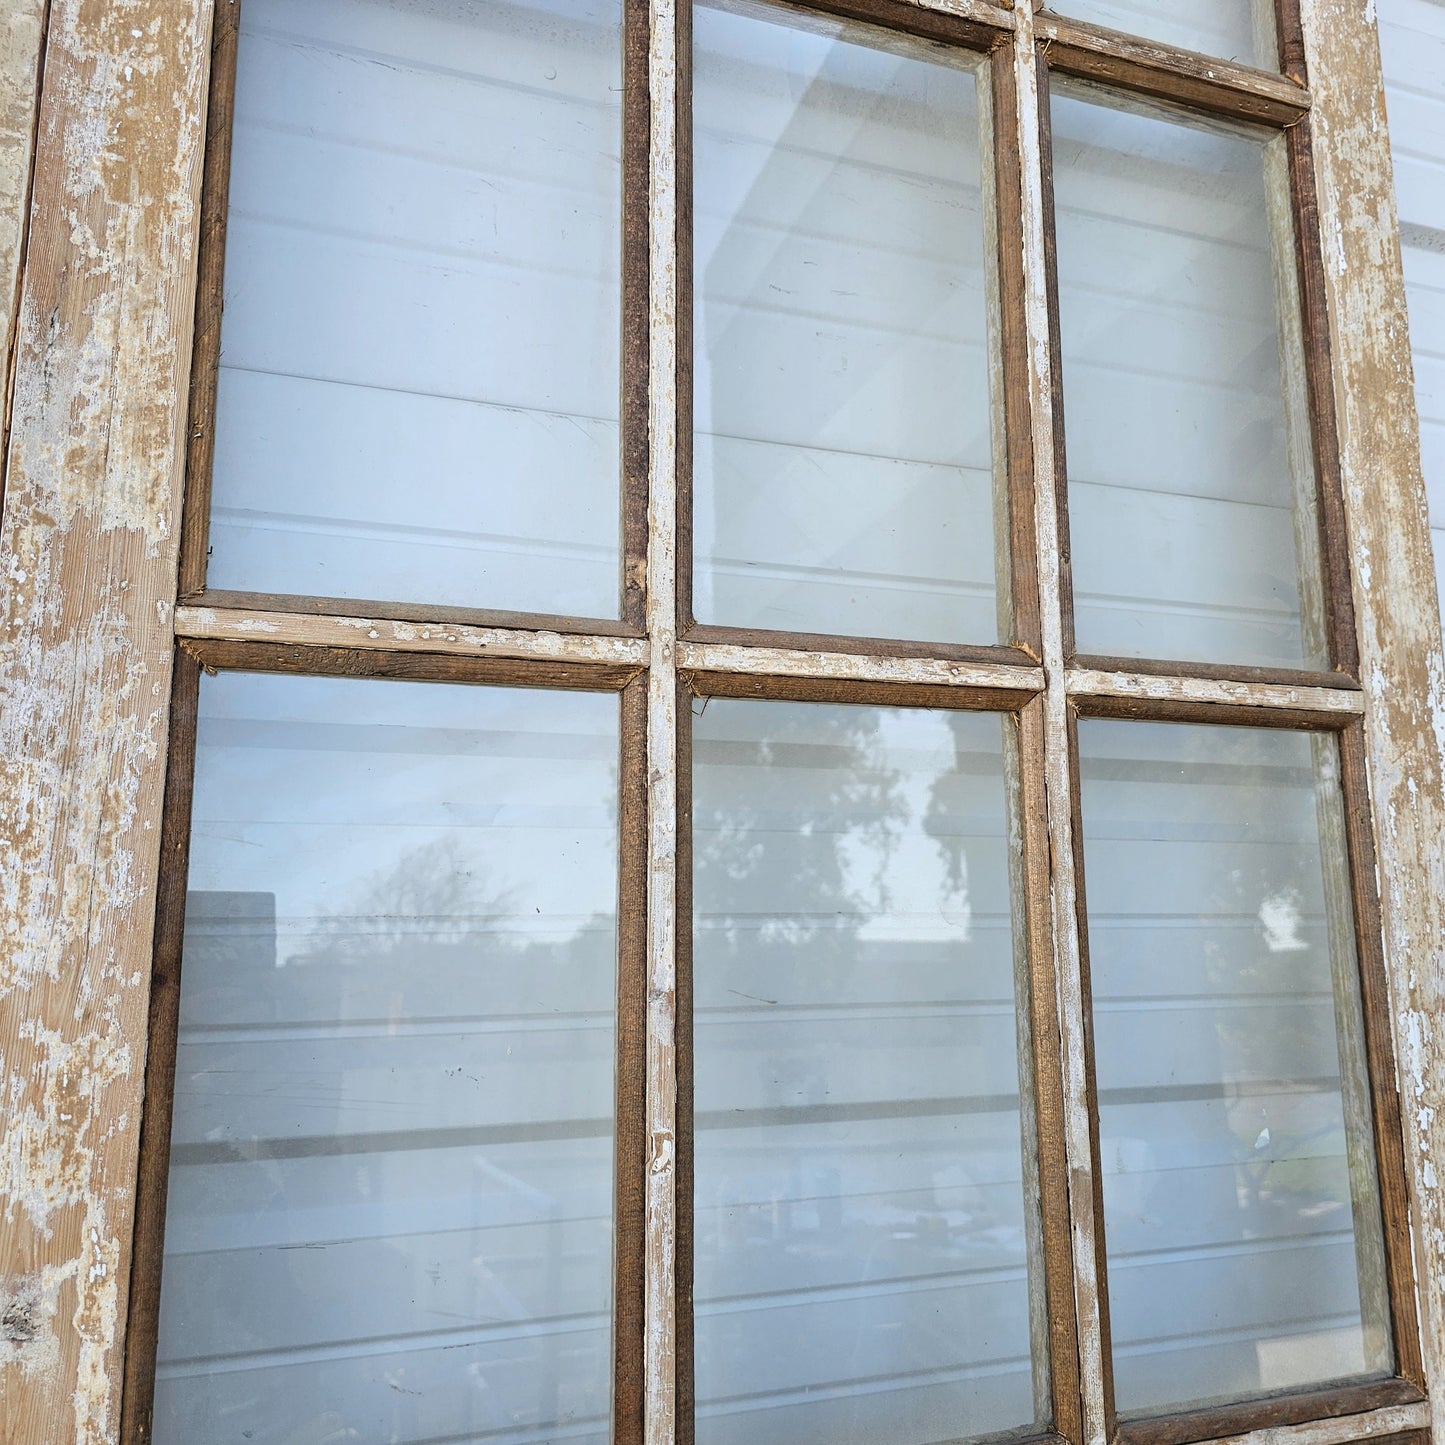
(22, 33)
(228, 654)
(1071, 997)
(382, 634)
(1329, 1406)
(1218, 87)
(1380, 1062)
(89, 536)
(717, 657)
(210, 300)
(162, 1029)
(667, 68)
(1396, 610)
(1048, 1171)
(1013, 443)
(630, 1148)
(1144, 688)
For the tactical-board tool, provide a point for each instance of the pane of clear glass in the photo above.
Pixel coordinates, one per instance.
(1239, 30)
(862, 1235)
(1240, 1198)
(390, 1211)
(842, 451)
(1191, 505)
(419, 368)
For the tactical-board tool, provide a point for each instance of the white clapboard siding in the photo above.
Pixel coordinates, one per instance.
(1222, 1117)
(842, 453)
(419, 369)
(390, 1209)
(1412, 45)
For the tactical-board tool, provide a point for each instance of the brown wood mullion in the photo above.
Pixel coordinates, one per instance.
(1012, 322)
(863, 646)
(222, 654)
(1163, 72)
(633, 460)
(1380, 1056)
(1336, 1402)
(200, 445)
(686, 1377)
(1051, 1168)
(162, 1031)
(630, 1141)
(1091, 1083)
(854, 690)
(1319, 383)
(1056, 355)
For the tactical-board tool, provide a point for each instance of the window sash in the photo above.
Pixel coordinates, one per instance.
(660, 659)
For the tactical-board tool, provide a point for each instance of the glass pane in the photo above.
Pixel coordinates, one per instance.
(862, 1235)
(1190, 482)
(390, 1208)
(1239, 30)
(1240, 1203)
(842, 452)
(419, 368)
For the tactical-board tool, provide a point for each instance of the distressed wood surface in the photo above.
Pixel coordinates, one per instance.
(1035, 273)
(1089, 682)
(664, 361)
(89, 544)
(1396, 607)
(1166, 72)
(383, 634)
(788, 662)
(1393, 1420)
(21, 30)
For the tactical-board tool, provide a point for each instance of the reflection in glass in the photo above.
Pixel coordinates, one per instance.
(390, 1210)
(861, 1252)
(1238, 30)
(419, 357)
(1233, 1103)
(842, 455)
(1190, 480)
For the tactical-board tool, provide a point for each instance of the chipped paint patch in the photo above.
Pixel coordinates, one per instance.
(86, 596)
(1396, 606)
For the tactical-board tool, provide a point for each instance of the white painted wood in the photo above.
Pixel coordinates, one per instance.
(1088, 682)
(387, 634)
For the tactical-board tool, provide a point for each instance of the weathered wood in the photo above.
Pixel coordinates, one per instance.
(1378, 1046)
(1164, 72)
(230, 601)
(855, 667)
(767, 639)
(229, 654)
(636, 129)
(22, 31)
(210, 299)
(1085, 682)
(383, 634)
(975, 24)
(1012, 440)
(630, 1142)
(1396, 1423)
(162, 1030)
(666, 41)
(89, 539)
(1086, 1232)
(1397, 615)
(1046, 1169)
(1391, 1404)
